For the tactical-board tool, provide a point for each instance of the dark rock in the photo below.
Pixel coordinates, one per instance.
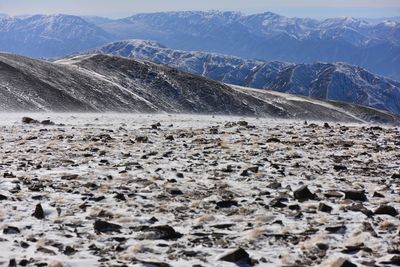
(155, 264)
(11, 230)
(277, 203)
(46, 251)
(242, 123)
(341, 262)
(120, 196)
(169, 137)
(386, 210)
(238, 256)
(244, 173)
(223, 226)
(174, 191)
(69, 177)
(336, 229)
(9, 175)
(97, 199)
(324, 208)
(339, 168)
(355, 195)
(105, 227)
(23, 244)
(69, 251)
(333, 194)
(395, 260)
(153, 220)
(164, 232)
(303, 193)
(47, 122)
(360, 208)
(142, 139)
(377, 194)
(294, 207)
(28, 120)
(23, 262)
(12, 263)
(274, 185)
(226, 204)
(353, 249)
(273, 140)
(396, 176)
(3, 197)
(38, 213)
(322, 246)
(326, 125)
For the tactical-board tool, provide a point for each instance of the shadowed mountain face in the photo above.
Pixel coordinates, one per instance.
(331, 81)
(266, 36)
(100, 83)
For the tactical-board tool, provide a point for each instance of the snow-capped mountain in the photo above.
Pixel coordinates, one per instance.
(269, 36)
(331, 81)
(107, 83)
(49, 36)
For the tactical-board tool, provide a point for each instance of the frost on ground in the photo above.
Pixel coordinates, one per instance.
(182, 190)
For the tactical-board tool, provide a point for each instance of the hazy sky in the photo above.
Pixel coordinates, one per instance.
(121, 8)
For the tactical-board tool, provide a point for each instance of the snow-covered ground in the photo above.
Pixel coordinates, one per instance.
(185, 190)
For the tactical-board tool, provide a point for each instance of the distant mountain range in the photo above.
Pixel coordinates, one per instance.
(266, 36)
(49, 36)
(330, 81)
(99, 83)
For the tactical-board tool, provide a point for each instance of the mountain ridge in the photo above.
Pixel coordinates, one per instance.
(332, 81)
(102, 83)
(267, 36)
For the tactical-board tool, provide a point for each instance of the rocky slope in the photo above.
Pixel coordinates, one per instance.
(107, 83)
(178, 190)
(333, 81)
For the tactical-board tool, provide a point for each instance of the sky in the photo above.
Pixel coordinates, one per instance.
(123, 8)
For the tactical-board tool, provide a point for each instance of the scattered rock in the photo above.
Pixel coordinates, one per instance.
(324, 208)
(394, 260)
(47, 122)
(226, 204)
(355, 195)
(142, 139)
(339, 168)
(386, 210)
(69, 251)
(174, 191)
(11, 230)
(46, 251)
(336, 229)
(38, 213)
(341, 262)
(105, 227)
(163, 232)
(303, 193)
(12, 263)
(273, 140)
(28, 120)
(238, 256)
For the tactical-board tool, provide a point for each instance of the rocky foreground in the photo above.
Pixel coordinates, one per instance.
(176, 190)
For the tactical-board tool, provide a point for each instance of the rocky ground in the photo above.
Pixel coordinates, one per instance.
(176, 190)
